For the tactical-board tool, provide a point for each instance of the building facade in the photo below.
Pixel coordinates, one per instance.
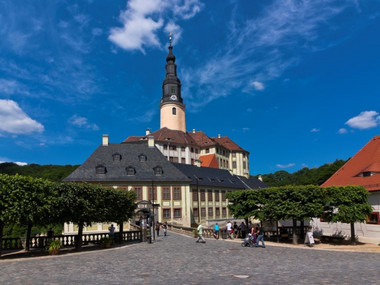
(184, 194)
(362, 169)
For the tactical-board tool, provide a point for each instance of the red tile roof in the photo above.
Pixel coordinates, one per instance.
(209, 160)
(366, 159)
(228, 144)
(198, 138)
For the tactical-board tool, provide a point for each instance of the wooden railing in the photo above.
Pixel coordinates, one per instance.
(68, 240)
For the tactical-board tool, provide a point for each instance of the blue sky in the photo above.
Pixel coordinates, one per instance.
(294, 82)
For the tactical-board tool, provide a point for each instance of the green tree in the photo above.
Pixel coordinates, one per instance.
(347, 204)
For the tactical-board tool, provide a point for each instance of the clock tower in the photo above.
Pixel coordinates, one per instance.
(172, 107)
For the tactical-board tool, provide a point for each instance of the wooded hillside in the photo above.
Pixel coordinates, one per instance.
(304, 176)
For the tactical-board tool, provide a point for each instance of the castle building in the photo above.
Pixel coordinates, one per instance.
(195, 147)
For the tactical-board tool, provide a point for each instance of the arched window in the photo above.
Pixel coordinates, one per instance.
(142, 157)
(158, 171)
(174, 111)
(130, 170)
(100, 169)
(116, 157)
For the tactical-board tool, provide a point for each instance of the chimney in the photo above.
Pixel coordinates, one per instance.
(147, 132)
(105, 140)
(193, 131)
(198, 163)
(219, 136)
(260, 178)
(151, 141)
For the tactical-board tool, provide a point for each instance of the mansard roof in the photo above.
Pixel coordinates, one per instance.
(206, 176)
(117, 170)
(198, 138)
(366, 160)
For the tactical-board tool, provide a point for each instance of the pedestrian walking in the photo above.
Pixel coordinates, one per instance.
(165, 227)
(236, 229)
(229, 230)
(158, 229)
(200, 234)
(260, 237)
(216, 231)
(112, 232)
(309, 239)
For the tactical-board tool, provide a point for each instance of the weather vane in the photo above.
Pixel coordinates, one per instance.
(170, 38)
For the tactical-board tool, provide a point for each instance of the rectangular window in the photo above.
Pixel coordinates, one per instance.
(223, 195)
(244, 165)
(183, 148)
(210, 212)
(203, 212)
(175, 159)
(374, 218)
(195, 195)
(166, 213)
(176, 193)
(172, 90)
(203, 195)
(207, 150)
(224, 212)
(209, 196)
(217, 212)
(177, 213)
(234, 164)
(217, 196)
(165, 146)
(152, 193)
(166, 193)
(171, 159)
(138, 192)
(183, 160)
(191, 149)
(173, 147)
(195, 212)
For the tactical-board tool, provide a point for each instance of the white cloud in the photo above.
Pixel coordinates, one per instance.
(14, 120)
(365, 120)
(82, 122)
(20, 163)
(285, 165)
(142, 20)
(342, 131)
(262, 47)
(315, 130)
(176, 30)
(258, 85)
(245, 129)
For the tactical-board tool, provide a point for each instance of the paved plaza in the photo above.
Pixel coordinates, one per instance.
(177, 259)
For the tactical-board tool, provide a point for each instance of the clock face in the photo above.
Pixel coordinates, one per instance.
(173, 97)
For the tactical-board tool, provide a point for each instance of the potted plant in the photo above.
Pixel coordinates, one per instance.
(106, 242)
(54, 246)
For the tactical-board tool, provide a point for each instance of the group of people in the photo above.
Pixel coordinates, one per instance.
(255, 233)
(164, 227)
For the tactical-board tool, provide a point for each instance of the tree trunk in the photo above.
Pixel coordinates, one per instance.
(295, 241)
(121, 229)
(353, 240)
(1, 236)
(28, 234)
(302, 230)
(78, 245)
(278, 232)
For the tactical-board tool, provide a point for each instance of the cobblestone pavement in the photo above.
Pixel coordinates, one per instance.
(177, 259)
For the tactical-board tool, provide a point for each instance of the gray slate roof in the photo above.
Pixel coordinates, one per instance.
(116, 170)
(206, 176)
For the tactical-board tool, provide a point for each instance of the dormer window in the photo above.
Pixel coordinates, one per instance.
(100, 169)
(158, 171)
(367, 174)
(116, 157)
(130, 170)
(142, 157)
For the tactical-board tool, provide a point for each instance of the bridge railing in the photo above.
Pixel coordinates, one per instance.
(68, 240)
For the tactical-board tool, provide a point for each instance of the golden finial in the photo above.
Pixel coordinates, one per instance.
(170, 39)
